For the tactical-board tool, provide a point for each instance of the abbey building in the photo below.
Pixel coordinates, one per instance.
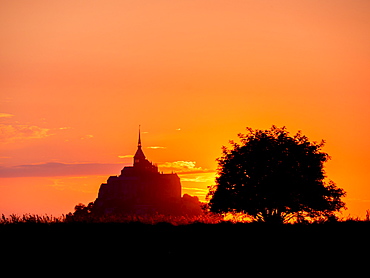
(140, 189)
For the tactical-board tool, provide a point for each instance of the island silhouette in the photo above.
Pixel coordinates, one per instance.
(141, 189)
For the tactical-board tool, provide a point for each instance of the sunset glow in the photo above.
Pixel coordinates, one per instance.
(77, 78)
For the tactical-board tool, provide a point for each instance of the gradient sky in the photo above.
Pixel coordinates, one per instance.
(78, 77)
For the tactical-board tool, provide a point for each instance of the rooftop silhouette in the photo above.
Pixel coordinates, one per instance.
(140, 189)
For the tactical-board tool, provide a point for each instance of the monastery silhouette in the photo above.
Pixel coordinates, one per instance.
(141, 189)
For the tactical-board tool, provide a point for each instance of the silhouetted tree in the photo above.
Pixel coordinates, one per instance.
(81, 210)
(190, 205)
(274, 177)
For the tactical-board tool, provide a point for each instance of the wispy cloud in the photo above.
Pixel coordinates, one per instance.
(88, 136)
(201, 177)
(126, 156)
(187, 170)
(183, 167)
(155, 147)
(56, 169)
(6, 115)
(11, 132)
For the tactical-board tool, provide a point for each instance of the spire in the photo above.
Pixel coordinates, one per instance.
(140, 161)
(139, 142)
(139, 155)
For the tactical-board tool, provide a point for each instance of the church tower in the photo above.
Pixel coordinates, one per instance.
(139, 157)
(140, 161)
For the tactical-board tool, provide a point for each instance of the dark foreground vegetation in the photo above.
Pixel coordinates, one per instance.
(73, 243)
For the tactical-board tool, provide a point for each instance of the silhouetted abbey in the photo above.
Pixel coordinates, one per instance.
(140, 189)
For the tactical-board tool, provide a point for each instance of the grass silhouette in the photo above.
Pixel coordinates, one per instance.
(115, 239)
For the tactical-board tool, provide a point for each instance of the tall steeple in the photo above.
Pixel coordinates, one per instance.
(139, 155)
(139, 142)
(140, 162)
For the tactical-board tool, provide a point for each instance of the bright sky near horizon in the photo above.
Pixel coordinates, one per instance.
(78, 77)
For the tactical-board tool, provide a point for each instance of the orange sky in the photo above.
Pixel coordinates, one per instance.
(78, 77)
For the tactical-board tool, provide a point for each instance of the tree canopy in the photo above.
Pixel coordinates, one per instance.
(275, 177)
